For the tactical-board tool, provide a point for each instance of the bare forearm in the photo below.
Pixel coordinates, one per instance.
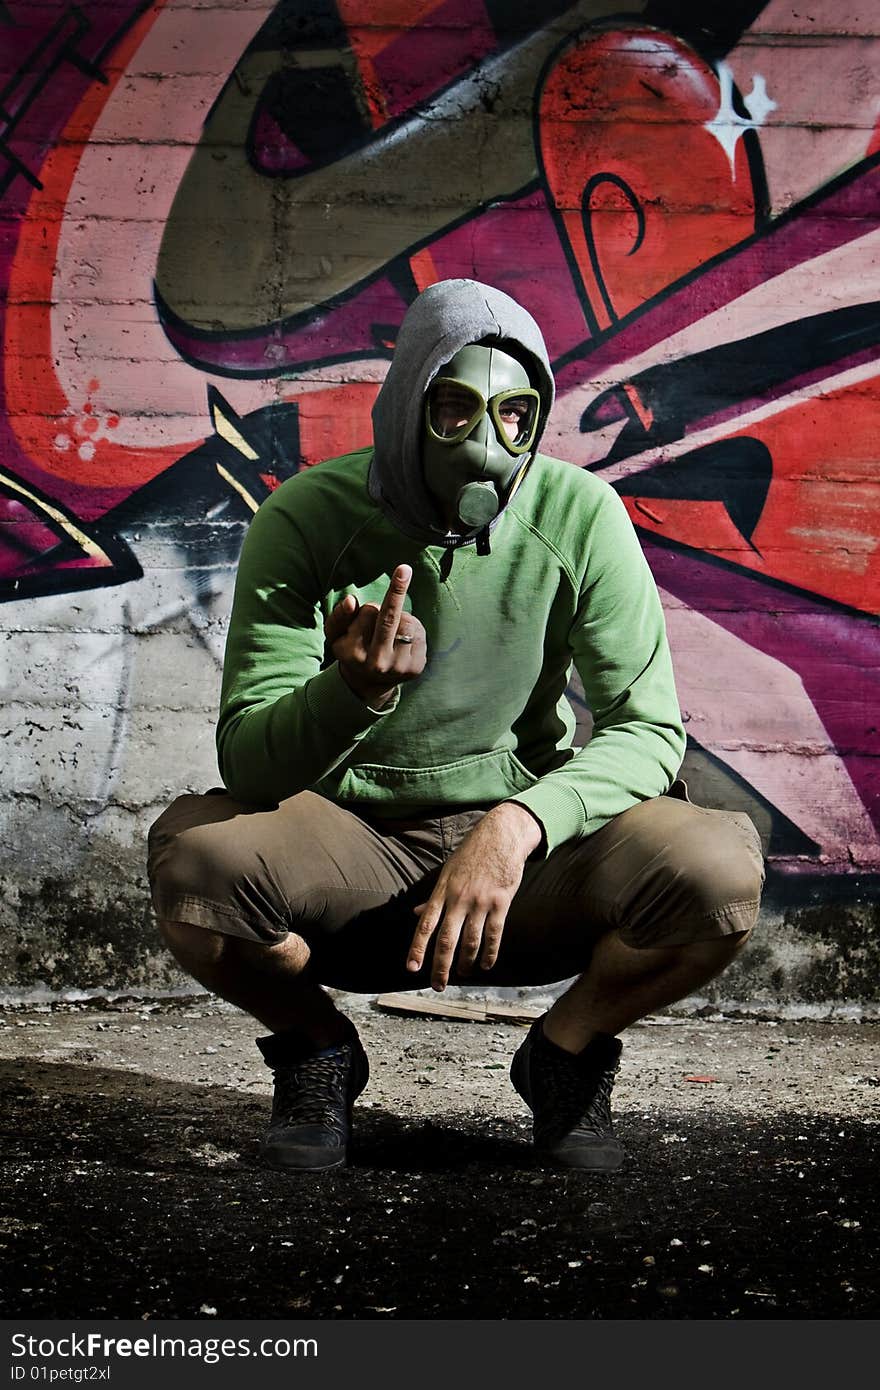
(526, 827)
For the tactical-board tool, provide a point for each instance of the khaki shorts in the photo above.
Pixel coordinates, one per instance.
(664, 873)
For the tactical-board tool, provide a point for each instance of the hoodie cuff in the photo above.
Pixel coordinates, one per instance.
(559, 810)
(333, 704)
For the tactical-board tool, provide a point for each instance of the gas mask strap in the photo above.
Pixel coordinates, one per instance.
(517, 480)
(483, 547)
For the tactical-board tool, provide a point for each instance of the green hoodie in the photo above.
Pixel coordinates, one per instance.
(488, 720)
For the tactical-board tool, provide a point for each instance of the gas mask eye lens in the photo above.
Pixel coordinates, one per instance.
(453, 409)
(513, 415)
(516, 415)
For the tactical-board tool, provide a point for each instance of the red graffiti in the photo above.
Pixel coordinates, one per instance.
(643, 191)
(821, 518)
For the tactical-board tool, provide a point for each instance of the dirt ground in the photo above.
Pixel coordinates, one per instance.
(132, 1189)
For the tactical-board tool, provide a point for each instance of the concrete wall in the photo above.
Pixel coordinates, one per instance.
(213, 214)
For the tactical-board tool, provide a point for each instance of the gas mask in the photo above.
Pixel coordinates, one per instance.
(481, 418)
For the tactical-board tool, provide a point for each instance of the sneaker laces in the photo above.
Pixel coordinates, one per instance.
(313, 1090)
(596, 1118)
(573, 1099)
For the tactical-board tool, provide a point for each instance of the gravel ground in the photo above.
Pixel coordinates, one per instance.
(132, 1188)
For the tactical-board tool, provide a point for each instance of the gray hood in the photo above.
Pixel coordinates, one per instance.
(445, 317)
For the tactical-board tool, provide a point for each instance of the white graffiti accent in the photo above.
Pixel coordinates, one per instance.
(728, 126)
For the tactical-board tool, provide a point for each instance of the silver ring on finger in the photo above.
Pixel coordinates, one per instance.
(404, 641)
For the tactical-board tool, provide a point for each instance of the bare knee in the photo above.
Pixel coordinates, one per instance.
(194, 947)
(213, 956)
(716, 953)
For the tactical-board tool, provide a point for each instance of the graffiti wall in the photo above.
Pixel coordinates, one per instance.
(214, 214)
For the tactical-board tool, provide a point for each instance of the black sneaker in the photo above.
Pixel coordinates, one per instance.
(569, 1095)
(314, 1094)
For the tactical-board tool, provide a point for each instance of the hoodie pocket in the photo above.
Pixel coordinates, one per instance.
(486, 777)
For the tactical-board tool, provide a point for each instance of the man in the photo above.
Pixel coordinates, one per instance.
(404, 805)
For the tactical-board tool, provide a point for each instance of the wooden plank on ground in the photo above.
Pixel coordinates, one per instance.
(468, 1010)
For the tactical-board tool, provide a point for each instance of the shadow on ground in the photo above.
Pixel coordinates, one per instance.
(128, 1196)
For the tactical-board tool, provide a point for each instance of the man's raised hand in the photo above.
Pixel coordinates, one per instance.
(377, 646)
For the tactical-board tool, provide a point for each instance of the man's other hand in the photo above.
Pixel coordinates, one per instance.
(377, 645)
(473, 894)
